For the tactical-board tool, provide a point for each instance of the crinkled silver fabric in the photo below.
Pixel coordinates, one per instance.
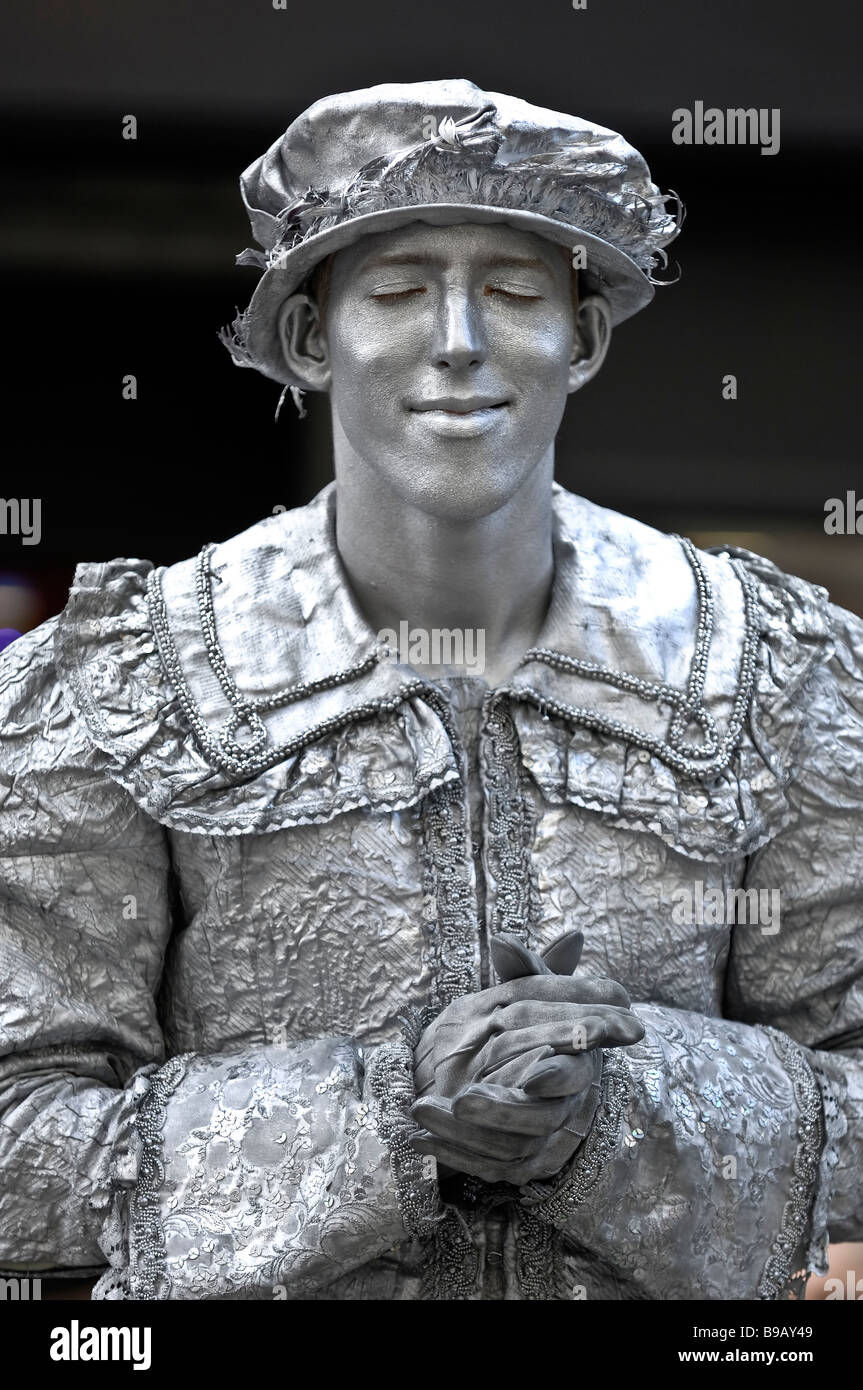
(210, 968)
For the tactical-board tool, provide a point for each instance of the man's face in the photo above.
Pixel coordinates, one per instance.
(449, 350)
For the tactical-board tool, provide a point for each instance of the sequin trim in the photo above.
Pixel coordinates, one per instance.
(451, 1266)
(148, 1278)
(450, 903)
(449, 1257)
(833, 1092)
(557, 1205)
(540, 1259)
(508, 831)
(451, 1261)
(391, 1081)
(780, 1279)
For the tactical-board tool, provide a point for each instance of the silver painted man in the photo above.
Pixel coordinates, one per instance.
(328, 975)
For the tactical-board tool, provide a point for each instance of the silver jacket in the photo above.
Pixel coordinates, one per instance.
(244, 860)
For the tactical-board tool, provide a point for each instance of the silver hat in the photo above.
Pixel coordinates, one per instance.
(443, 153)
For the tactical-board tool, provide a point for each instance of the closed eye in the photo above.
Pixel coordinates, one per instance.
(512, 293)
(399, 294)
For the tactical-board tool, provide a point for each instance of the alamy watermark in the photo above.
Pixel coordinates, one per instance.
(20, 1290)
(734, 126)
(21, 517)
(77, 1343)
(699, 906)
(433, 646)
(851, 1287)
(844, 515)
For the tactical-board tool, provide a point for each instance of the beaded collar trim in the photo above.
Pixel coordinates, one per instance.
(225, 751)
(701, 761)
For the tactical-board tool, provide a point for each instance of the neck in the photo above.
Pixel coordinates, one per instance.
(491, 575)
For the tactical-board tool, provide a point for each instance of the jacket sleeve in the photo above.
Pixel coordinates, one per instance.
(265, 1171)
(725, 1149)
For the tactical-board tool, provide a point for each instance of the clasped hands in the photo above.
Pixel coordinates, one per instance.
(507, 1079)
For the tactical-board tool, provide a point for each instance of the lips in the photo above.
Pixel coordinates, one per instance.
(454, 405)
(461, 417)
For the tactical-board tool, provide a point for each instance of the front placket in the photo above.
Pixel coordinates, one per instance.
(529, 1258)
(479, 881)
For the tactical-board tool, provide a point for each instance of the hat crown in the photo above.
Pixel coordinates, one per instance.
(329, 143)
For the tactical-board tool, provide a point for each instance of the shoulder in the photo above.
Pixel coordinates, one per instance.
(55, 792)
(28, 687)
(721, 668)
(128, 622)
(811, 661)
(663, 585)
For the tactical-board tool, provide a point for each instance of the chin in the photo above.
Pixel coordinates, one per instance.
(463, 498)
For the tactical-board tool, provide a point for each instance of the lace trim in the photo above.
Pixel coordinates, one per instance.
(780, 1279)
(836, 1127)
(450, 914)
(541, 1265)
(516, 904)
(557, 1205)
(449, 1256)
(391, 1081)
(147, 1276)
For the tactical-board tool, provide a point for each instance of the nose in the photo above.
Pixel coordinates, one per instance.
(460, 339)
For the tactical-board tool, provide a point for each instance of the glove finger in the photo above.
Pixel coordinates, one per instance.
(450, 1050)
(531, 1014)
(512, 960)
(458, 1037)
(561, 1076)
(550, 989)
(511, 1072)
(527, 1044)
(605, 1028)
(464, 1023)
(493, 1143)
(510, 1058)
(507, 1108)
(599, 989)
(464, 1160)
(451, 1040)
(563, 955)
(448, 1036)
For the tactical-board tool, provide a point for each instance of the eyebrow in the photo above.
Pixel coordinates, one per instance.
(517, 262)
(493, 263)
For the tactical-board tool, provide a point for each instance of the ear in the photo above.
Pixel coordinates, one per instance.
(591, 339)
(304, 342)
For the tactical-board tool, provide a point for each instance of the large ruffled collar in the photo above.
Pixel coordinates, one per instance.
(242, 689)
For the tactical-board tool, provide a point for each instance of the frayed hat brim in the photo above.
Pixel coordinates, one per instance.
(253, 339)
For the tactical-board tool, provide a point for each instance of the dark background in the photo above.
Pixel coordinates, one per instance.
(118, 257)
